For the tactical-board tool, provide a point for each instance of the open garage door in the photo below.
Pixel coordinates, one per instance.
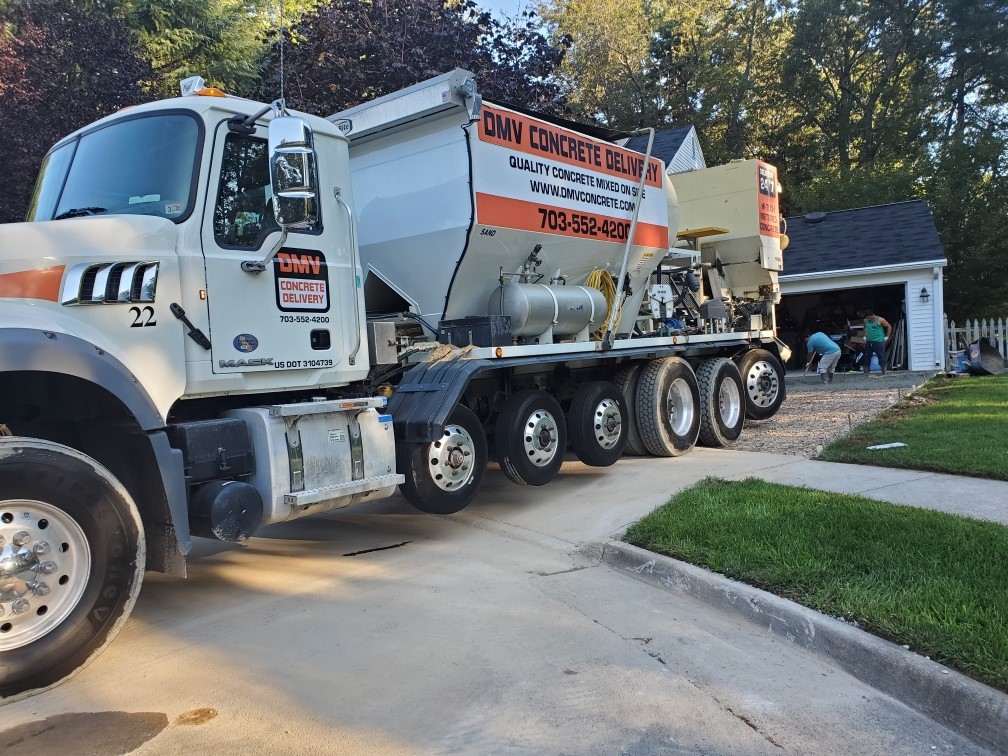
(839, 313)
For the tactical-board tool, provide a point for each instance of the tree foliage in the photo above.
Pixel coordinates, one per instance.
(225, 41)
(350, 51)
(606, 66)
(61, 68)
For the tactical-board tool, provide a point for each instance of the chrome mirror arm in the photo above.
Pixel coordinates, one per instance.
(257, 266)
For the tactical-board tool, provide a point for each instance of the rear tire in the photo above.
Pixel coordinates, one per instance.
(443, 476)
(722, 406)
(668, 407)
(763, 380)
(72, 558)
(531, 438)
(597, 423)
(626, 380)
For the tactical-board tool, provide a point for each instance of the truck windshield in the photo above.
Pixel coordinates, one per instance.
(139, 166)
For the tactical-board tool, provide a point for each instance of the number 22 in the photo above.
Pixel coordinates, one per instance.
(138, 317)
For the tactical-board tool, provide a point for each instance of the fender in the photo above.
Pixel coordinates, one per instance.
(26, 349)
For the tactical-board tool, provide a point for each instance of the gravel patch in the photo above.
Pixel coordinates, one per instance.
(815, 413)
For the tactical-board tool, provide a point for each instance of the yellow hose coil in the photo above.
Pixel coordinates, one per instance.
(603, 281)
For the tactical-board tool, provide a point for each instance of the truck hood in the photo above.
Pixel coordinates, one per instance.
(46, 245)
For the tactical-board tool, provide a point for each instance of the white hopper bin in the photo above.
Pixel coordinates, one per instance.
(451, 191)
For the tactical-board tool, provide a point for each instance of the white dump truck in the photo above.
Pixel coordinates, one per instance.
(221, 315)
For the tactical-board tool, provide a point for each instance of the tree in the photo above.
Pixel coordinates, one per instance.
(973, 41)
(606, 68)
(224, 41)
(350, 51)
(60, 69)
(716, 65)
(969, 196)
(858, 71)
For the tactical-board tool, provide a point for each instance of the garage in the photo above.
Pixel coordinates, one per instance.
(886, 258)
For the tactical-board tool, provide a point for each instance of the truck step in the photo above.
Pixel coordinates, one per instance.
(304, 498)
(328, 405)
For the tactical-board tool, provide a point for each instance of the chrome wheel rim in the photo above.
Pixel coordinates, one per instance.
(452, 458)
(729, 403)
(45, 563)
(607, 423)
(679, 402)
(540, 438)
(762, 384)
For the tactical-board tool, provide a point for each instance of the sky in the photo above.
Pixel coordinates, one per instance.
(508, 8)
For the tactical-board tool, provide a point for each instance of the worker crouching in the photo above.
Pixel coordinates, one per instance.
(819, 343)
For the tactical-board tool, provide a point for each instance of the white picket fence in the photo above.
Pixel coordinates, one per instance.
(958, 338)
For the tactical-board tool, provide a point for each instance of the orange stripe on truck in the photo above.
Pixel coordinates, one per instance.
(504, 212)
(32, 284)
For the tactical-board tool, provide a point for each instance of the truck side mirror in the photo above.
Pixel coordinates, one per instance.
(293, 173)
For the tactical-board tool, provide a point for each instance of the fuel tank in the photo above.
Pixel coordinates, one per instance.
(534, 308)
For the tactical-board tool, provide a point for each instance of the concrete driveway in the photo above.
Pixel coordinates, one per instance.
(378, 630)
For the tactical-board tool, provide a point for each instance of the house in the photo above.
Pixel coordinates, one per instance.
(887, 258)
(678, 148)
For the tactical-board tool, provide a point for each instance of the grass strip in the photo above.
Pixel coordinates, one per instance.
(949, 425)
(933, 581)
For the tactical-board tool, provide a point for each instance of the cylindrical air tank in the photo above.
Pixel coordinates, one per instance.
(535, 307)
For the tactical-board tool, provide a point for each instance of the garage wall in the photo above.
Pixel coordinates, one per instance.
(924, 334)
(921, 322)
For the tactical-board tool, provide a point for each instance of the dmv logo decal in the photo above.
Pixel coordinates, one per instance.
(302, 281)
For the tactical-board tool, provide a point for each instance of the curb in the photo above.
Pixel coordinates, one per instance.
(960, 703)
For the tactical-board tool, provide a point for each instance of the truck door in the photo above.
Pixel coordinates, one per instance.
(288, 316)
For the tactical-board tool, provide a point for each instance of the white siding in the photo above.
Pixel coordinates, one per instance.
(689, 156)
(921, 335)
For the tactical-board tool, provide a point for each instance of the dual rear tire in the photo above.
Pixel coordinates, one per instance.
(722, 402)
(531, 438)
(598, 422)
(668, 407)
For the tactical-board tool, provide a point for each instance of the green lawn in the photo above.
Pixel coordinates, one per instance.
(933, 581)
(949, 425)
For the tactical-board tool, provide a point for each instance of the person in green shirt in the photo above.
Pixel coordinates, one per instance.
(877, 332)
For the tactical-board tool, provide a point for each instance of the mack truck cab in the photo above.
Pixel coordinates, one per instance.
(180, 316)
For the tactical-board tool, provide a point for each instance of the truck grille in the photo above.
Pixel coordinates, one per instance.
(110, 283)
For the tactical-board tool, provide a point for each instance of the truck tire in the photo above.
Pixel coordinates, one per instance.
(626, 380)
(763, 380)
(668, 407)
(722, 406)
(531, 438)
(597, 423)
(72, 559)
(443, 476)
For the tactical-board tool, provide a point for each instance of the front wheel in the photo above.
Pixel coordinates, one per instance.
(71, 562)
(763, 379)
(443, 476)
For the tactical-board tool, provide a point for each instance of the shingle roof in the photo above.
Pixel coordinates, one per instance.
(666, 143)
(866, 237)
